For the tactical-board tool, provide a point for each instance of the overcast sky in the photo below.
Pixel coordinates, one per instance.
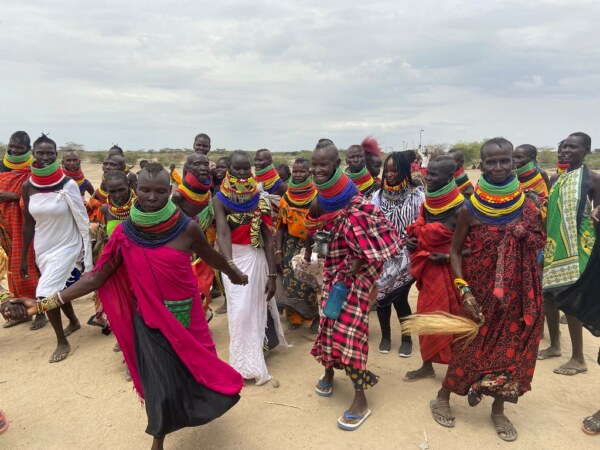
(281, 74)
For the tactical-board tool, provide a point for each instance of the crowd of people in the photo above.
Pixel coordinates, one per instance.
(314, 245)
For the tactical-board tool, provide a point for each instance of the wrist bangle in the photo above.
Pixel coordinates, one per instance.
(231, 262)
(458, 282)
(278, 251)
(447, 257)
(59, 297)
(272, 275)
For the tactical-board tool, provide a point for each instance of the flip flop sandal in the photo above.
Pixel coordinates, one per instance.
(324, 389)
(441, 413)
(503, 427)
(352, 426)
(591, 426)
(3, 422)
(568, 371)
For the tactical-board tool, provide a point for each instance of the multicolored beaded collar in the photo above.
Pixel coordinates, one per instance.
(48, 176)
(20, 162)
(300, 195)
(562, 167)
(497, 204)
(444, 199)
(269, 178)
(397, 192)
(151, 230)
(462, 180)
(121, 212)
(363, 179)
(78, 176)
(239, 195)
(529, 176)
(194, 190)
(336, 193)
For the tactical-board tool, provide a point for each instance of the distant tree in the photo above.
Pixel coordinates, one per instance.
(72, 146)
(436, 149)
(470, 150)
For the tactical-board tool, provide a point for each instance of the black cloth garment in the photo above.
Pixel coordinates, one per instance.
(173, 397)
(582, 299)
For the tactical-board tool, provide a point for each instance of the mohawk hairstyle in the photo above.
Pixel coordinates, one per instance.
(44, 139)
(371, 146)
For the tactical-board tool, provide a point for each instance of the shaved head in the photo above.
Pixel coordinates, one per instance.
(330, 151)
(444, 163)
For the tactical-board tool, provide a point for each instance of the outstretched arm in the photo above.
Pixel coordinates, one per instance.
(267, 236)
(84, 286)
(213, 258)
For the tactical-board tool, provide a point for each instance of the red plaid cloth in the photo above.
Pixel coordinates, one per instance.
(12, 237)
(361, 231)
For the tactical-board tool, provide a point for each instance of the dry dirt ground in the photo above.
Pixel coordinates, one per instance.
(85, 402)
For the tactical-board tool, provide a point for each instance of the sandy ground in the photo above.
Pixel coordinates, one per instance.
(86, 402)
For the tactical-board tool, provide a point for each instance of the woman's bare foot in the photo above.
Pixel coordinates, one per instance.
(72, 328)
(425, 371)
(39, 322)
(61, 352)
(550, 352)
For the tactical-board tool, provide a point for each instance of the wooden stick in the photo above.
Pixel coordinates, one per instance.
(285, 404)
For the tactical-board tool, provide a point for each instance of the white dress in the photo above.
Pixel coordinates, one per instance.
(247, 314)
(61, 235)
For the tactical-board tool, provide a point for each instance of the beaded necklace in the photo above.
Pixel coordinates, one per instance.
(362, 179)
(529, 176)
(78, 176)
(194, 190)
(336, 193)
(497, 204)
(269, 178)
(121, 212)
(462, 179)
(300, 195)
(19, 162)
(562, 167)
(397, 192)
(151, 230)
(239, 195)
(46, 177)
(101, 193)
(444, 199)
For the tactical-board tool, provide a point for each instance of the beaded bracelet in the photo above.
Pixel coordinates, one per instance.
(48, 303)
(272, 275)
(458, 282)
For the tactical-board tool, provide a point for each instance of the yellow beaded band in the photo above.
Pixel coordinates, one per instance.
(48, 303)
(459, 282)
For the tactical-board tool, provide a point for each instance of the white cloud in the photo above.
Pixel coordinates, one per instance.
(283, 74)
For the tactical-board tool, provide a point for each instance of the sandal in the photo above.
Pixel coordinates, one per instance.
(504, 428)
(348, 416)
(324, 389)
(591, 426)
(441, 413)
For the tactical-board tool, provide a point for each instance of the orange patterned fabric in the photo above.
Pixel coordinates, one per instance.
(293, 218)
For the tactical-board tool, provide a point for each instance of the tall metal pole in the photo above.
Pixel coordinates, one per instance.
(420, 138)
